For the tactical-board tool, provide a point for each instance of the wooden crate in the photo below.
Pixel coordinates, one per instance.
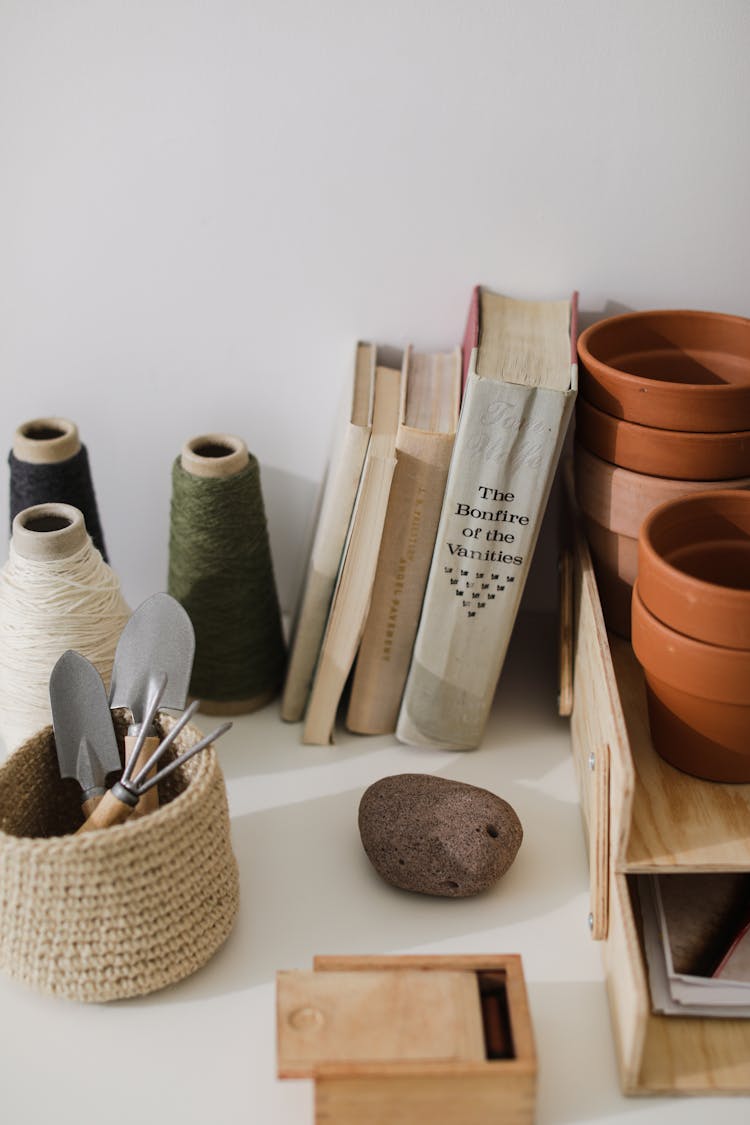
(643, 816)
(402, 1040)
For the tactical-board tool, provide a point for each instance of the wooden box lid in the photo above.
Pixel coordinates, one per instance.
(376, 1016)
(389, 1015)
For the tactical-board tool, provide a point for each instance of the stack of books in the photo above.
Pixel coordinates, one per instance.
(430, 512)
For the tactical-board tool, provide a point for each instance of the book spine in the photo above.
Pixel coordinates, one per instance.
(507, 448)
(408, 540)
(325, 558)
(346, 619)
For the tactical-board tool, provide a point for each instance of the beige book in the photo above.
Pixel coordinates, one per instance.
(352, 435)
(431, 393)
(351, 597)
(518, 398)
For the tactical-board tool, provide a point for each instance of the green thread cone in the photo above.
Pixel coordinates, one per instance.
(220, 569)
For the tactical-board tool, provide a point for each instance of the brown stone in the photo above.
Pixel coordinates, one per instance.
(437, 837)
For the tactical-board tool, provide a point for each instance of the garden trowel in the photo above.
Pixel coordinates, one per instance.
(84, 735)
(157, 641)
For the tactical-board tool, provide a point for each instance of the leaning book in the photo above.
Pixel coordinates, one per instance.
(521, 381)
(339, 493)
(431, 388)
(353, 588)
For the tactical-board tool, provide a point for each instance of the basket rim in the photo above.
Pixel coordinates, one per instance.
(201, 771)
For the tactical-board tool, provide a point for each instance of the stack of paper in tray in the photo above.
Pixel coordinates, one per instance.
(696, 934)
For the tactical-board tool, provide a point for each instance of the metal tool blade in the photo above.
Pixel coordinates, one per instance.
(157, 640)
(84, 735)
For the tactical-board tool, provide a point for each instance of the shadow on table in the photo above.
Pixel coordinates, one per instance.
(299, 897)
(263, 744)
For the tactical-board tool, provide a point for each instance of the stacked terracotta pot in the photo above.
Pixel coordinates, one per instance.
(664, 412)
(691, 632)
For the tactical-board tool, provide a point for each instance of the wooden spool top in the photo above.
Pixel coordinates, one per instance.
(45, 441)
(49, 531)
(214, 456)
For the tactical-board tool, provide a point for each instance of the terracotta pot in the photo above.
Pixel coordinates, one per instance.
(620, 499)
(615, 502)
(694, 566)
(615, 559)
(618, 552)
(674, 370)
(615, 596)
(663, 453)
(698, 699)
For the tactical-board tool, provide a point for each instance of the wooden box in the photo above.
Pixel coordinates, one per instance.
(643, 816)
(445, 1040)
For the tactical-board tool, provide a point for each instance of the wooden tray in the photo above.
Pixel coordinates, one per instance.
(643, 816)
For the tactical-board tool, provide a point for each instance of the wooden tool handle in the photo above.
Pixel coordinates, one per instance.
(109, 811)
(89, 806)
(149, 802)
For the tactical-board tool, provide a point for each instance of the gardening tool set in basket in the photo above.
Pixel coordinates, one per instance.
(100, 915)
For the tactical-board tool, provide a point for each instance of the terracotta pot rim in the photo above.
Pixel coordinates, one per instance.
(707, 611)
(711, 672)
(648, 449)
(675, 437)
(617, 374)
(702, 587)
(623, 483)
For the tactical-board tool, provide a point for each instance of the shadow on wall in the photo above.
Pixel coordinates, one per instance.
(290, 502)
(587, 317)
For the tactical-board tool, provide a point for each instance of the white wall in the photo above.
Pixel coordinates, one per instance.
(202, 206)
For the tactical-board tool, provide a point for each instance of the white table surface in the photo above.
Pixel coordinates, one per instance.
(204, 1051)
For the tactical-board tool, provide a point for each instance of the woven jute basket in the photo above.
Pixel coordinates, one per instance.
(120, 911)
